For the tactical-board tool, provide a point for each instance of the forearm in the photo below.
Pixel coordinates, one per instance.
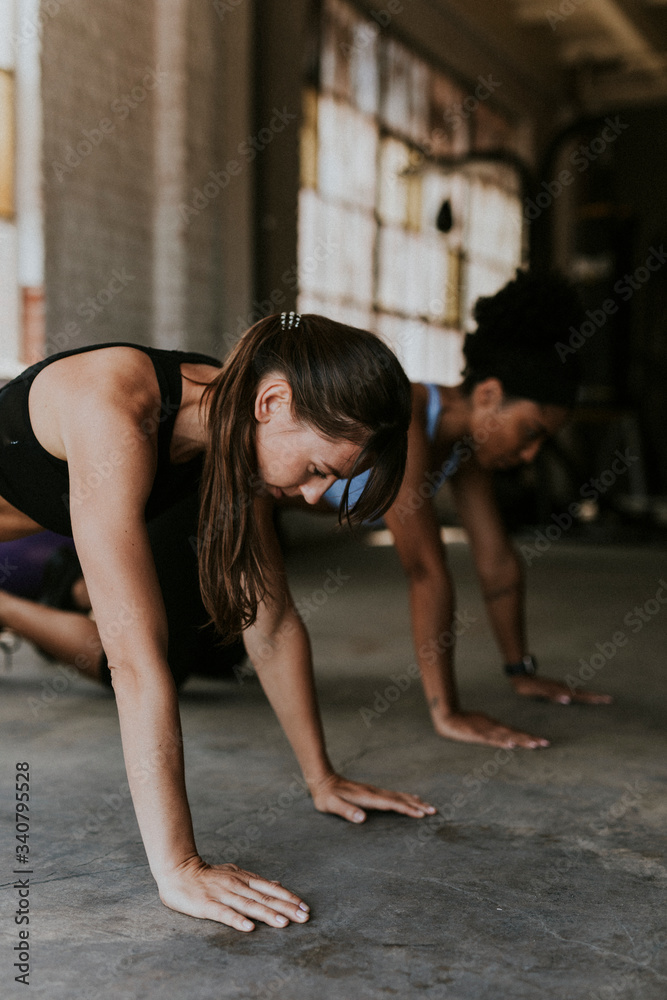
(432, 613)
(283, 661)
(153, 750)
(504, 595)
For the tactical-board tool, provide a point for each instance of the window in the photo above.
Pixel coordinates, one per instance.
(384, 156)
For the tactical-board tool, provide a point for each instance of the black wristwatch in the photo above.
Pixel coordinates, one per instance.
(526, 667)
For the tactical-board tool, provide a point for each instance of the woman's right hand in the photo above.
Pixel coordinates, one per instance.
(475, 727)
(230, 895)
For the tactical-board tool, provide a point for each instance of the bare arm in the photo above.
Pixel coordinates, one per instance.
(279, 648)
(496, 562)
(112, 541)
(413, 523)
(502, 581)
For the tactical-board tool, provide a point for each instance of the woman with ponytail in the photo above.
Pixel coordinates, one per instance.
(123, 447)
(516, 393)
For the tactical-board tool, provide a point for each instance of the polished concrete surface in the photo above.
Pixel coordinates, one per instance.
(543, 877)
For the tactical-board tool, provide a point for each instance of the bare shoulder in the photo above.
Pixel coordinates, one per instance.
(121, 372)
(115, 385)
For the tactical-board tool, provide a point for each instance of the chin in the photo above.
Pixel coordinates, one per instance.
(487, 462)
(492, 463)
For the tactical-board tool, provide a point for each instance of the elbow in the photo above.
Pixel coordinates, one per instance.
(504, 569)
(133, 682)
(426, 571)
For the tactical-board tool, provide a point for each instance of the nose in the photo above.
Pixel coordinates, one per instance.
(314, 490)
(528, 453)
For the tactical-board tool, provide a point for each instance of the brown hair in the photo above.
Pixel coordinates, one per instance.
(345, 383)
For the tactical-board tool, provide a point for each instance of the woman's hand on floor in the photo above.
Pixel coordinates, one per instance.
(475, 727)
(542, 687)
(230, 895)
(337, 795)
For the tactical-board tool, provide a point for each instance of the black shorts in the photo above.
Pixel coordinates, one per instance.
(194, 647)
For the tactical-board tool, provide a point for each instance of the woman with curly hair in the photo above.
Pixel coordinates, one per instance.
(516, 393)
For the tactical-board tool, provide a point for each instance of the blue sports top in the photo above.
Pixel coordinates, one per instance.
(334, 494)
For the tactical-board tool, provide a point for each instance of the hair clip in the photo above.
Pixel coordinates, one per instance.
(289, 320)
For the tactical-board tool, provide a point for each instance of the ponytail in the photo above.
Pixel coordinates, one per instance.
(345, 383)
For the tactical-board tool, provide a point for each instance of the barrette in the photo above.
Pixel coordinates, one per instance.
(289, 320)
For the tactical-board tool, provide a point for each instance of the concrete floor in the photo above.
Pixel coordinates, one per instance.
(547, 880)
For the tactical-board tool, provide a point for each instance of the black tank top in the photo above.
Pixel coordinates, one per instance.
(37, 483)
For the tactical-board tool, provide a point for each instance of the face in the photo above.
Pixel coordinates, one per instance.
(293, 458)
(508, 434)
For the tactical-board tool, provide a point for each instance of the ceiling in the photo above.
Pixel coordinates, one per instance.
(596, 55)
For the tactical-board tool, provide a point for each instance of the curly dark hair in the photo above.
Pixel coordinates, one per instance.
(517, 330)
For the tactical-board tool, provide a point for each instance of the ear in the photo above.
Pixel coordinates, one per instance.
(488, 394)
(273, 393)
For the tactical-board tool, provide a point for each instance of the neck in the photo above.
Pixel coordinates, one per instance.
(456, 410)
(191, 427)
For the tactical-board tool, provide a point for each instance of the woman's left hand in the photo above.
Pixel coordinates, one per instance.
(542, 687)
(337, 795)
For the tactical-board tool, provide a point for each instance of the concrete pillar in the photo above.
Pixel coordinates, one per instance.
(284, 45)
(169, 249)
(237, 209)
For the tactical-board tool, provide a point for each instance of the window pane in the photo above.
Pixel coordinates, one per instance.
(347, 149)
(373, 191)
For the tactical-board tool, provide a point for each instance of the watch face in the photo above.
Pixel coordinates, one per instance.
(527, 666)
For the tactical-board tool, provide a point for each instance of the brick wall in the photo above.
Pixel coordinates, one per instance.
(98, 184)
(100, 83)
